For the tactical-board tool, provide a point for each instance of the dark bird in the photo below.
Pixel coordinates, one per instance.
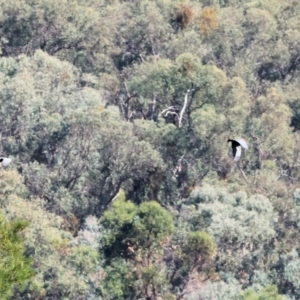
(4, 161)
(237, 145)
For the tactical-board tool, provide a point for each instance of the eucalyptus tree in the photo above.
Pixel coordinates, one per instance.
(244, 229)
(100, 154)
(72, 31)
(74, 152)
(191, 262)
(140, 31)
(201, 101)
(133, 238)
(168, 84)
(59, 264)
(269, 127)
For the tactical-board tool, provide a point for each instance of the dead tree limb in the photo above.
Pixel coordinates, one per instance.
(183, 108)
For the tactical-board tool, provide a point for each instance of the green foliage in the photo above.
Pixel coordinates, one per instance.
(103, 101)
(15, 267)
(153, 223)
(269, 292)
(118, 218)
(53, 251)
(65, 29)
(199, 246)
(133, 237)
(117, 282)
(143, 227)
(240, 225)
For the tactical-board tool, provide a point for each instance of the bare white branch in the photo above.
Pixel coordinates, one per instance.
(166, 110)
(171, 113)
(183, 109)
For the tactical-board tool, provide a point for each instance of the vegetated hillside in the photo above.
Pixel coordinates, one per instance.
(117, 115)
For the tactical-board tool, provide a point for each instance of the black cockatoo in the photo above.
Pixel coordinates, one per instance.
(237, 145)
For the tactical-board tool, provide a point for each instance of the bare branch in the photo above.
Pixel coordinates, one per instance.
(126, 54)
(171, 113)
(243, 173)
(285, 174)
(178, 167)
(166, 110)
(183, 109)
(127, 91)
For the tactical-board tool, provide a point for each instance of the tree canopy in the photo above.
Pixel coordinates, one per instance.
(116, 115)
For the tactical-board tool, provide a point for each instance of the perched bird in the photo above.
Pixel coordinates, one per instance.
(5, 161)
(237, 145)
